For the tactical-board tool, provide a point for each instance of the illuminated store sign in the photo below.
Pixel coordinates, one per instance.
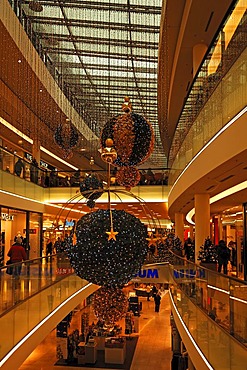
(31, 231)
(188, 273)
(149, 274)
(41, 163)
(69, 223)
(7, 217)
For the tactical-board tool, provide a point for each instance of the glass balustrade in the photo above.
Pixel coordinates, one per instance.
(29, 278)
(23, 318)
(223, 298)
(47, 176)
(221, 350)
(218, 92)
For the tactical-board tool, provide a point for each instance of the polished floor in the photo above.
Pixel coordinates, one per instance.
(153, 350)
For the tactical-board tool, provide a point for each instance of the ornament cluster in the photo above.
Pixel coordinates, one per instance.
(110, 305)
(66, 136)
(133, 139)
(105, 260)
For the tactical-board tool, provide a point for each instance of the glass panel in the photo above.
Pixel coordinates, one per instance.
(25, 316)
(218, 92)
(221, 297)
(30, 277)
(35, 235)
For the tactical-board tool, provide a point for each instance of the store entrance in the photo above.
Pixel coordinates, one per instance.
(19, 226)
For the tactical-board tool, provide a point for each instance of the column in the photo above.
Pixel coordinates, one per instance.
(192, 232)
(36, 154)
(216, 230)
(220, 226)
(199, 51)
(202, 220)
(36, 150)
(179, 226)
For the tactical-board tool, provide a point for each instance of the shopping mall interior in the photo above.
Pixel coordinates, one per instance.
(123, 163)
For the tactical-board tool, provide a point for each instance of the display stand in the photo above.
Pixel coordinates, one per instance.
(91, 353)
(136, 324)
(115, 350)
(100, 341)
(81, 353)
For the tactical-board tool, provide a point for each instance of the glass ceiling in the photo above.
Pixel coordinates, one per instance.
(103, 51)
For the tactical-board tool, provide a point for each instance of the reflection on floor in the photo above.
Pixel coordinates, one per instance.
(153, 350)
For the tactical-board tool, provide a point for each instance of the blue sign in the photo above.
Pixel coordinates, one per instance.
(149, 274)
(188, 274)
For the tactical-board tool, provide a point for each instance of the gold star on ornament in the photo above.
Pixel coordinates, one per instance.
(112, 234)
(152, 240)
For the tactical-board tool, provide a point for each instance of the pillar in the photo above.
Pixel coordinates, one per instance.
(202, 220)
(192, 232)
(36, 150)
(220, 227)
(179, 226)
(199, 51)
(216, 230)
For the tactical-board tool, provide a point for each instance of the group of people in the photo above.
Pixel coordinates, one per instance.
(19, 169)
(19, 252)
(223, 252)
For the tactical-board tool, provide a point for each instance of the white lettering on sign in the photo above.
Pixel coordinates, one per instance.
(7, 217)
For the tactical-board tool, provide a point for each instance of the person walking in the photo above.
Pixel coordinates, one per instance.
(157, 300)
(17, 254)
(223, 254)
(49, 248)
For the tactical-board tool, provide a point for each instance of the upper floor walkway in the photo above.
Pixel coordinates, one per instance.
(209, 309)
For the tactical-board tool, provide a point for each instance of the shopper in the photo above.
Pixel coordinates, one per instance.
(57, 245)
(154, 291)
(17, 254)
(148, 290)
(19, 167)
(223, 254)
(188, 248)
(157, 300)
(212, 314)
(49, 249)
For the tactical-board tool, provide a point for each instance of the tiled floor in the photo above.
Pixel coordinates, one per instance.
(153, 350)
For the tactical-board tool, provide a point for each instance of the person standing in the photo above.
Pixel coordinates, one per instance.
(17, 254)
(188, 248)
(49, 248)
(19, 167)
(157, 300)
(223, 254)
(154, 291)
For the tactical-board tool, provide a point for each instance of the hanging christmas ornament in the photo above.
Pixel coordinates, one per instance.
(109, 154)
(91, 203)
(105, 260)
(110, 305)
(132, 136)
(128, 177)
(66, 136)
(91, 187)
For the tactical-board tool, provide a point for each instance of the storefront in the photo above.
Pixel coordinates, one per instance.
(23, 225)
(234, 232)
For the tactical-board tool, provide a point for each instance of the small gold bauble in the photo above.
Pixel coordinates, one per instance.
(109, 142)
(109, 155)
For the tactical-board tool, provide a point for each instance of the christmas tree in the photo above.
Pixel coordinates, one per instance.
(207, 252)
